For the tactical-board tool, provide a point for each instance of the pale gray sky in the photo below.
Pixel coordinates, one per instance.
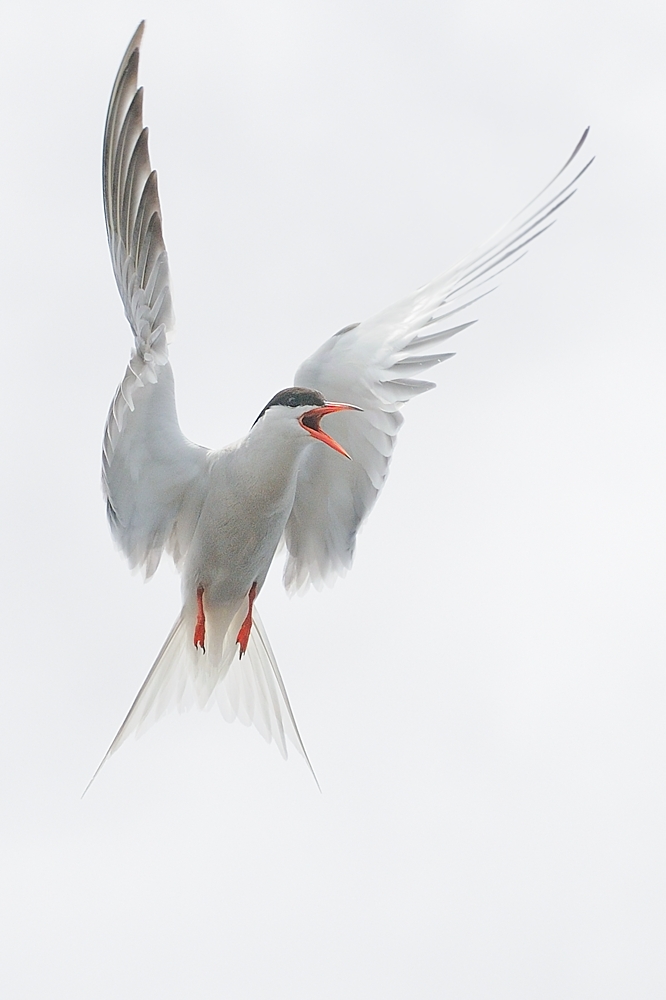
(483, 696)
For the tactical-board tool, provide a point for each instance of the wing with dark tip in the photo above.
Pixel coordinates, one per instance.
(378, 365)
(132, 211)
(149, 469)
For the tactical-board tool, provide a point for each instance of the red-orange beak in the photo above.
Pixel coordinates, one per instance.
(310, 422)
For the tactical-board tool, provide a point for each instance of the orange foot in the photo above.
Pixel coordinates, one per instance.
(200, 627)
(243, 636)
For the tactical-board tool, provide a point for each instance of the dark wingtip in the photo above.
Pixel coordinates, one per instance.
(578, 148)
(135, 41)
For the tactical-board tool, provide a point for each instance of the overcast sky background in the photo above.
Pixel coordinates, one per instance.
(483, 697)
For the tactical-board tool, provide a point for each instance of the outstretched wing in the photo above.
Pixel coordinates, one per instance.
(373, 365)
(149, 469)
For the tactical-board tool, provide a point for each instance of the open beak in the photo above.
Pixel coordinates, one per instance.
(310, 423)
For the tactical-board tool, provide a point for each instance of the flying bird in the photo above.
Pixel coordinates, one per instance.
(308, 471)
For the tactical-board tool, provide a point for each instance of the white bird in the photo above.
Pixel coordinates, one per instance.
(221, 515)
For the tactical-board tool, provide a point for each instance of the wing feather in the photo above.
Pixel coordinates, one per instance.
(151, 474)
(372, 365)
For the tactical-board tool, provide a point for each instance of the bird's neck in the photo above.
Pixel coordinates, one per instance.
(271, 458)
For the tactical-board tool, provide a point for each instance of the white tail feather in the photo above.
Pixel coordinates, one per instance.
(250, 688)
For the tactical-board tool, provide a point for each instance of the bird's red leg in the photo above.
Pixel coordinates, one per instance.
(243, 636)
(200, 627)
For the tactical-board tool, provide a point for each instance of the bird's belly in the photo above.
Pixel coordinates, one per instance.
(232, 550)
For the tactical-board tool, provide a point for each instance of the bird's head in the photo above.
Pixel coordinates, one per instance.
(302, 410)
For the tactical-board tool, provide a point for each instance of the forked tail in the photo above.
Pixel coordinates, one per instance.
(250, 689)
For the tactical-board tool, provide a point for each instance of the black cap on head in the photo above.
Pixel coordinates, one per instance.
(296, 396)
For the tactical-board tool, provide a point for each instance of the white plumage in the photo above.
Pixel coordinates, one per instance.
(222, 514)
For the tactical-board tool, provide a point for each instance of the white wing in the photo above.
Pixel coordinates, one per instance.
(373, 364)
(149, 468)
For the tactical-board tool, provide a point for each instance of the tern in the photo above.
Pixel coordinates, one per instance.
(222, 515)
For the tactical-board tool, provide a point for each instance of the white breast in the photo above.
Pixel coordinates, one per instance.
(250, 496)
